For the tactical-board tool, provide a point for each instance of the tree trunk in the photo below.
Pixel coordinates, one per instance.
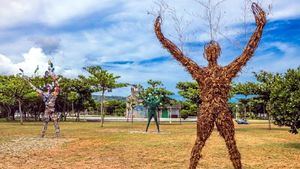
(131, 109)
(269, 118)
(245, 111)
(101, 108)
(64, 112)
(78, 115)
(73, 112)
(20, 111)
(65, 116)
(13, 115)
(8, 113)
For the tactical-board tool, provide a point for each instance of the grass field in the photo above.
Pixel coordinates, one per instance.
(123, 145)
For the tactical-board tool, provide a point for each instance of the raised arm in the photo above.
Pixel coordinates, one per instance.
(56, 84)
(260, 18)
(33, 87)
(188, 63)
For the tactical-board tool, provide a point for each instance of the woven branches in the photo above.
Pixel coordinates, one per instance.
(214, 86)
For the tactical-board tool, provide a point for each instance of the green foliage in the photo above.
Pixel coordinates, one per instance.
(184, 113)
(285, 99)
(115, 107)
(277, 95)
(102, 81)
(75, 93)
(13, 89)
(156, 89)
(189, 91)
(260, 92)
(73, 96)
(245, 89)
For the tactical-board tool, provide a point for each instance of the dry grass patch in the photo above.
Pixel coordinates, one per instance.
(123, 145)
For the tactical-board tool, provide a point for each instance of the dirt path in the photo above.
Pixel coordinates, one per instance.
(17, 152)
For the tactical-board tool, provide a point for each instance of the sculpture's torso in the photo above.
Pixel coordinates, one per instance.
(49, 100)
(214, 87)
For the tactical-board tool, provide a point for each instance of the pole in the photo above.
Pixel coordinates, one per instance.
(170, 115)
(236, 111)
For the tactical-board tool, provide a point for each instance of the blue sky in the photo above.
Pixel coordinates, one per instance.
(118, 35)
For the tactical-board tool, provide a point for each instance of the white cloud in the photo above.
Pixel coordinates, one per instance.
(57, 12)
(6, 66)
(49, 12)
(34, 57)
(130, 37)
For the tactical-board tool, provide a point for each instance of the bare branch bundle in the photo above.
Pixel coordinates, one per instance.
(214, 84)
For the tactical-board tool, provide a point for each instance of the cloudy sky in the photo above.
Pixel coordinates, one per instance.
(118, 35)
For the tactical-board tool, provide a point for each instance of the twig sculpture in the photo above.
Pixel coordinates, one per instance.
(214, 84)
(131, 102)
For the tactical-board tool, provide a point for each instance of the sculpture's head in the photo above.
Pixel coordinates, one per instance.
(48, 88)
(56, 90)
(212, 51)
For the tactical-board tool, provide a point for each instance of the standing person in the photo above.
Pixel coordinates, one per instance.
(214, 86)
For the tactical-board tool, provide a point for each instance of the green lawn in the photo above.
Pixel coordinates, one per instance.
(123, 145)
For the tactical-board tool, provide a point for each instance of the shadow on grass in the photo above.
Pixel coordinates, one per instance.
(292, 145)
(261, 129)
(16, 123)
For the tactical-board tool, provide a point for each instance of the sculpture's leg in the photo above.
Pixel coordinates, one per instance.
(205, 125)
(131, 110)
(56, 126)
(46, 121)
(225, 127)
(150, 115)
(126, 114)
(156, 122)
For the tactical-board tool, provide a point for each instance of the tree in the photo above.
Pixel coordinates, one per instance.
(66, 86)
(245, 89)
(260, 91)
(115, 107)
(13, 89)
(102, 81)
(263, 90)
(285, 100)
(189, 91)
(72, 97)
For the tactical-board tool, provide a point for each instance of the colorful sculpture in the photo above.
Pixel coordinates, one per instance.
(152, 102)
(214, 84)
(49, 97)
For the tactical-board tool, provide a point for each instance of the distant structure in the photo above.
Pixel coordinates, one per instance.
(131, 102)
(173, 111)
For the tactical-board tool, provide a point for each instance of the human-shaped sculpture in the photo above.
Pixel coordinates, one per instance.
(214, 85)
(49, 98)
(152, 102)
(131, 102)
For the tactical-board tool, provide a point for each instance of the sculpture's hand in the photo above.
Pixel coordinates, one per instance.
(195, 70)
(259, 14)
(54, 77)
(260, 18)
